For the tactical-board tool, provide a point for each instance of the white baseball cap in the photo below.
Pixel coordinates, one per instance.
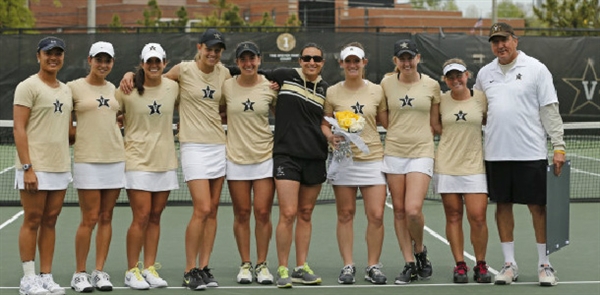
(153, 50)
(352, 50)
(102, 47)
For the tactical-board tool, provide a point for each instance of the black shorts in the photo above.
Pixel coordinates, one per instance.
(305, 171)
(520, 182)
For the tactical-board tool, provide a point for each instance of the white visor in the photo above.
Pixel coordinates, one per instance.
(454, 67)
(352, 50)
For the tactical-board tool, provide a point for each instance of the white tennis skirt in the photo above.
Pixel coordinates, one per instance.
(397, 165)
(47, 181)
(99, 175)
(249, 171)
(459, 184)
(202, 161)
(152, 181)
(359, 174)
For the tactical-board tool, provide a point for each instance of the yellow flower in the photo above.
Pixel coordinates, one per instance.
(346, 119)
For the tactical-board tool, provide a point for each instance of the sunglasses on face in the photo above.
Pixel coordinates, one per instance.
(307, 58)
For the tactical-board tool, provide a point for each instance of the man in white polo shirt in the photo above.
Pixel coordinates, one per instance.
(522, 108)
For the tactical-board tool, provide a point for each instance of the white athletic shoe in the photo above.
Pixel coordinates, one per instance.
(134, 279)
(508, 274)
(263, 275)
(152, 277)
(81, 283)
(546, 275)
(245, 274)
(32, 285)
(49, 284)
(101, 281)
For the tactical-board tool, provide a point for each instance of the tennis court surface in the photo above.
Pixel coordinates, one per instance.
(578, 264)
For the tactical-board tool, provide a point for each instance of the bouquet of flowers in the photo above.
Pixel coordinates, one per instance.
(349, 125)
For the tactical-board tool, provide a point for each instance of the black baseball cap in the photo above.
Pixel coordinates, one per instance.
(51, 42)
(212, 37)
(405, 46)
(501, 29)
(246, 46)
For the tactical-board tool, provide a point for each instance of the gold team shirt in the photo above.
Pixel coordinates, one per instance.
(148, 122)
(249, 136)
(200, 97)
(98, 138)
(48, 124)
(409, 128)
(368, 102)
(460, 151)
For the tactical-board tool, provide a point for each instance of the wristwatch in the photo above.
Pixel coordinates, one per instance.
(26, 167)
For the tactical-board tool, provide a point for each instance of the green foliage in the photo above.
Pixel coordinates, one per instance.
(116, 25)
(450, 5)
(508, 9)
(152, 20)
(228, 15)
(293, 24)
(570, 14)
(14, 14)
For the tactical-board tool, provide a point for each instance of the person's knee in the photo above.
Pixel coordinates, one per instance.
(90, 220)
(287, 214)
(537, 210)
(454, 216)
(242, 215)
(202, 212)
(105, 217)
(478, 220)
(262, 215)
(32, 220)
(375, 218)
(305, 214)
(345, 216)
(141, 220)
(49, 219)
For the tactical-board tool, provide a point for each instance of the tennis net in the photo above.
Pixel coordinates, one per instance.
(583, 149)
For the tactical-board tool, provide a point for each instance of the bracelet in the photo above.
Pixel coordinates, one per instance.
(560, 152)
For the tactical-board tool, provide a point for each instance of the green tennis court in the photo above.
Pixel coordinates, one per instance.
(578, 265)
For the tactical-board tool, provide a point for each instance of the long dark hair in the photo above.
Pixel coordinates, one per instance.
(139, 79)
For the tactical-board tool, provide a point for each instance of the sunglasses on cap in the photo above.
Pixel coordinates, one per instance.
(307, 58)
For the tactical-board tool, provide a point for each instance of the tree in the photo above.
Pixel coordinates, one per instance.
(266, 24)
(450, 5)
(570, 14)
(152, 15)
(508, 9)
(116, 25)
(293, 24)
(15, 14)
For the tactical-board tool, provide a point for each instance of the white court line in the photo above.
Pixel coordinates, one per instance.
(584, 157)
(11, 220)
(7, 169)
(585, 172)
(273, 287)
(443, 240)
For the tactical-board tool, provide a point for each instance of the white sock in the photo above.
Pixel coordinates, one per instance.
(29, 268)
(508, 249)
(299, 267)
(542, 257)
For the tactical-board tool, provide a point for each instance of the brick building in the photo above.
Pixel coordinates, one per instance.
(343, 15)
